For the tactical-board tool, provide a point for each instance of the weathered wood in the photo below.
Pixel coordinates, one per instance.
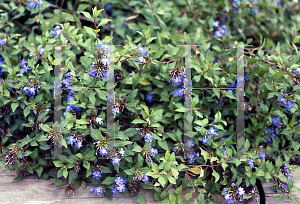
(30, 190)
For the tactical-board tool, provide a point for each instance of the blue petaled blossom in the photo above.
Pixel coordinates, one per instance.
(276, 121)
(282, 100)
(297, 71)
(216, 63)
(178, 92)
(216, 23)
(204, 140)
(223, 150)
(97, 174)
(121, 188)
(92, 72)
(212, 132)
(31, 4)
(145, 179)
(176, 81)
(41, 51)
(2, 43)
(289, 105)
(139, 60)
(40, 3)
(119, 181)
(149, 97)
(71, 140)
(241, 191)
(262, 155)
(92, 190)
(189, 143)
(114, 191)
(115, 161)
(78, 145)
(148, 137)
(103, 151)
(250, 163)
(98, 191)
(142, 50)
(153, 152)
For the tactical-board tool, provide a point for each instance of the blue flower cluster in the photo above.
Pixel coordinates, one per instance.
(29, 91)
(2, 43)
(57, 31)
(143, 178)
(192, 157)
(235, 193)
(237, 2)
(120, 182)
(273, 134)
(151, 154)
(1, 63)
(288, 105)
(72, 139)
(140, 59)
(97, 175)
(24, 67)
(221, 30)
(286, 172)
(70, 107)
(35, 3)
(148, 137)
(98, 191)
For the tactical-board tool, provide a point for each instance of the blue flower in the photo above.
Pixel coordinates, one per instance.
(31, 5)
(97, 174)
(255, 11)
(197, 154)
(2, 43)
(148, 137)
(297, 71)
(212, 132)
(78, 145)
(121, 188)
(176, 81)
(189, 143)
(41, 51)
(92, 190)
(71, 140)
(223, 150)
(282, 100)
(204, 140)
(216, 63)
(139, 60)
(105, 61)
(119, 181)
(92, 72)
(98, 191)
(289, 105)
(262, 155)
(149, 97)
(153, 152)
(246, 78)
(114, 191)
(103, 151)
(115, 161)
(250, 163)
(40, 3)
(216, 23)
(178, 92)
(276, 121)
(142, 50)
(145, 179)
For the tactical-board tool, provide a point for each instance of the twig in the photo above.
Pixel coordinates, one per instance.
(190, 180)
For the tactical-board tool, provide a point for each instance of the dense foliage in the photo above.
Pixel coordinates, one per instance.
(150, 149)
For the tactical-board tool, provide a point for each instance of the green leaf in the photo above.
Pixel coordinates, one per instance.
(217, 116)
(280, 197)
(163, 181)
(137, 120)
(158, 115)
(204, 154)
(171, 179)
(140, 199)
(26, 111)
(137, 148)
(86, 164)
(104, 21)
(14, 106)
(65, 173)
(39, 171)
(247, 145)
(202, 123)
(90, 31)
(58, 163)
(163, 144)
(87, 15)
(92, 98)
(45, 127)
(58, 182)
(108, 180)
